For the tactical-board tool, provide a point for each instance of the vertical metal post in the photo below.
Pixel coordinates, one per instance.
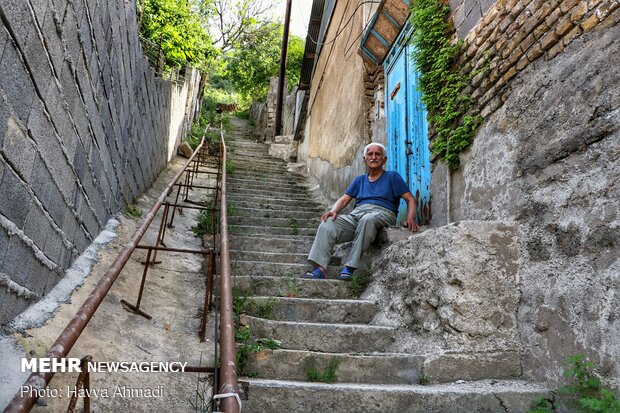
(287, 18)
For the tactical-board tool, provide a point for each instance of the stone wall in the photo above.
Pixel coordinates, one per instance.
(84, 128)
(514, 33)
(547, 161)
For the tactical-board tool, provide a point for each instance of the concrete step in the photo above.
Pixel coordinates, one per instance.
(264, 183)
(314, 310)
(489, 396)
(263, 179)
(291, 287)
(293, 224)
(277, 269)
(257, 160)
(271, 192)
(248, 172)
(268, 213)
(266, 262)
(276, 204)
(323, 337)
(246, 166)
(282, 245)
(375, 368)
(271, 257)
(300, 196)
(254, 230)
(388, 368)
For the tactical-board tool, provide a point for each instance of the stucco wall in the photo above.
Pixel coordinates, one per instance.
(84, 127)
(337, 126)
(549, 161)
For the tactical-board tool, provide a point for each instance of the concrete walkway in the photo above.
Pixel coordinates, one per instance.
(173, 296)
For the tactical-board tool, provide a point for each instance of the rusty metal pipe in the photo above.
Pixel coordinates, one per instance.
(72, 331)
(228, 363)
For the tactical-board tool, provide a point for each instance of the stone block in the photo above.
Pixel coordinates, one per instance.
(549, 40)
(15, 198)
(473, 366)
(590, 23)
(57, 206)
(458, 282)
(11, 306)
(4, 243)
(541, 30)
(37, 226)
(566, 5)
(18, 150)
(37, 278)
(576, 31)
(553, 17)
(38, 62)
(54, 246)
(18, 15)
(17, 260)
(53, 40)
(555, 50)
(16, 83)
(578, 12)
(535, 52)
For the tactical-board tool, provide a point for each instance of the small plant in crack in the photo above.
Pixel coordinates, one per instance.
(327, 375)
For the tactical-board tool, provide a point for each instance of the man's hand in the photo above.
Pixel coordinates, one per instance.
(327, 215)
(411, 225)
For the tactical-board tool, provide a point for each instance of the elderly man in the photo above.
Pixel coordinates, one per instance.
(377, 196)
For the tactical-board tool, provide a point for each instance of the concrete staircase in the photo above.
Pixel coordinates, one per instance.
(272, 223)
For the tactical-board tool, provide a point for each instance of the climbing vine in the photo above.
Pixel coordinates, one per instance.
(450, 112)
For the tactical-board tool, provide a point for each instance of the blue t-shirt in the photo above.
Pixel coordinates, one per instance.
(385, 191)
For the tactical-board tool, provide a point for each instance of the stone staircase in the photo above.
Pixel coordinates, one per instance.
(272, 222)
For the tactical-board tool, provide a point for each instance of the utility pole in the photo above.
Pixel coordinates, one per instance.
(287, 19)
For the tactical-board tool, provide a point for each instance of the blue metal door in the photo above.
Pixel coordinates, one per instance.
(407, 135)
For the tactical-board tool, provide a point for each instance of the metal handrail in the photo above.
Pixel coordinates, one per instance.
(229, 386)
(63, 344)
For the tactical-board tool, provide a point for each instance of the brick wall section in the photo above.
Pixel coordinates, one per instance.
(84, 126)
(514, 33)
(373, 81)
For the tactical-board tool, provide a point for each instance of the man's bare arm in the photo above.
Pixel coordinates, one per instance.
(339, 205)
(412, 209)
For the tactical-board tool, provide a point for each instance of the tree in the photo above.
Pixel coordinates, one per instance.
(177, 32)
(233, 22)
(252, 63)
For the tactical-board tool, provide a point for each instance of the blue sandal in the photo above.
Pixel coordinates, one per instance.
(346, 273)
(315, 274)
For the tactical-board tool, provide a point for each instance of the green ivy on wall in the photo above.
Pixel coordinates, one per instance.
(450, 113)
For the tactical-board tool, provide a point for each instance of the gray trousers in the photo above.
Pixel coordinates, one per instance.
(360, 226)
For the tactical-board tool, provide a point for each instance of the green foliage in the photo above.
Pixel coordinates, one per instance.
(294, 226)
(441, 83)
(206, 222)
(424, 379)
(359, 281)
(326, 376)
(178, 33)
(133, 211)
(263, 308)
(292, 287)
(257, 59)
(585, 394)
(230, 166)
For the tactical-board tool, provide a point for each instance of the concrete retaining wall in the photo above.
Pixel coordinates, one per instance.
(85, 126)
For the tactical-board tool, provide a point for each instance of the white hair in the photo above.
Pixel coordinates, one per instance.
(374, 144)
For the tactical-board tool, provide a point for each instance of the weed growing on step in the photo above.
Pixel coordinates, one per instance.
(424, 379)
(585, 394)
(133, 211)
(359, 282)
(230, 166)
(263, 308)
(205, 223)
(204, 391)
(326, 376)
(294, 226)
(292, 287)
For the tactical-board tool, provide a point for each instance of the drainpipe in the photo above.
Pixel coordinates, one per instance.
(287, 18)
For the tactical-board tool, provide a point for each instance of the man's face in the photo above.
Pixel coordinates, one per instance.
(375, 158)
